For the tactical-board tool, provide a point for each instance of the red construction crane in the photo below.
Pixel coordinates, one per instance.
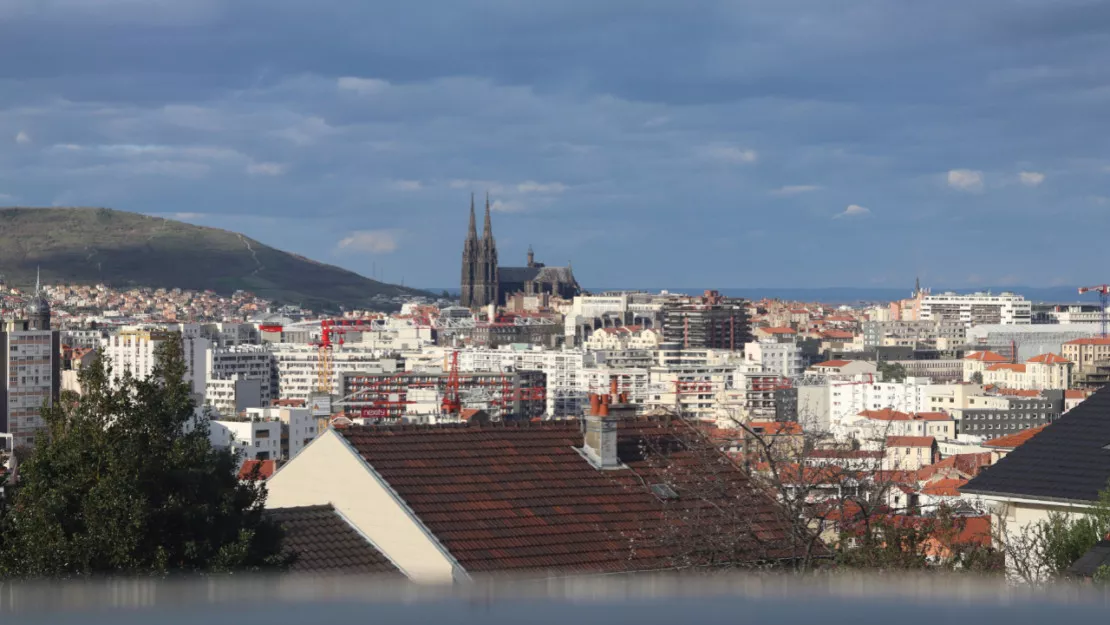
(452, 404)
(1103, 291)
(337, 327)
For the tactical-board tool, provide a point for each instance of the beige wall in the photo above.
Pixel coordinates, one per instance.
(328, 471)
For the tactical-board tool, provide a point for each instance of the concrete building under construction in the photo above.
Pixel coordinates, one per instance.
(390, 397)
(709, 321)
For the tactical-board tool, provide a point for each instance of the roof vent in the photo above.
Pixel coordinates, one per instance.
(663, 491)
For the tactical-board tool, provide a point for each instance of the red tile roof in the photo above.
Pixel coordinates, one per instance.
(944, 488)
(775, 427)
(1013, 441)
(986, 357)
(515, 497)
(833, 363)
(968, 465)
(1005, 366)
(1075, 393)
(1097, 340)
(886, 414)
(778, 330)
(1050, 359)
(837, 334)
(265, 469)
(910, 441)
(1017, 392)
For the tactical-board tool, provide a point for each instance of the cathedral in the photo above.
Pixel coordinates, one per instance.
(483, 281)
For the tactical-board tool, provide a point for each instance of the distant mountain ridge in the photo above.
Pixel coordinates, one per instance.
(125, 250)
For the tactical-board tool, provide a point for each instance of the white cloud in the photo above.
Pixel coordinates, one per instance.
(370, 241)
(307, 131)
(1031, 178)
(266, 169)
(478, 186)
(965, 179)
(362, 86)
(853, 210)
(530, 186)
(407, 185)
(22, 138)
(795, 189)
(507, 206)
(730, 154)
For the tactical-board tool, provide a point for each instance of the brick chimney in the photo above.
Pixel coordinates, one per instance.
(600, 440)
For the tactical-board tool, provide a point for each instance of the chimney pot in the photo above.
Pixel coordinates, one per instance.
(600, 440)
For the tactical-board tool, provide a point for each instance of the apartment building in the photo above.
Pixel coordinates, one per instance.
(239, 376)
(1087, 353)
(784, 359)
(710, 321)
(133, 348)
(563, 369)
(977, 309)
(1047, 371)
(298, 427)
(253, 438)
(32, 377)
(992, 416)
(512, 395)
(912, 333)
(298, 367)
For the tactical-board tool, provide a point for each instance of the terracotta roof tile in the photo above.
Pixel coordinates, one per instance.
(986, 356)
(834, 363)
(265, 469)
(910, 441)
(1015, 440)
(1049, 359)
(1096, 340)
(522, 497)
(944, 488)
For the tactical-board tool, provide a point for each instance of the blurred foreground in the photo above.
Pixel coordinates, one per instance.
(682, 600)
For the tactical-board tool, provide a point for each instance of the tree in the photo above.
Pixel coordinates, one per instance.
(977, 377)
(892, 371)
(1043, 551)
(125, 481)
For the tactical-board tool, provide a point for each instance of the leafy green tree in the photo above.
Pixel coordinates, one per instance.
(977, 377)
(126, 482)
(892, 371)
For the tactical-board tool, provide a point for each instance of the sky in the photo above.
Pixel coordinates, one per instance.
(729, 143)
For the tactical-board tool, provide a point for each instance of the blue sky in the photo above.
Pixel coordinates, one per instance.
(700, 143)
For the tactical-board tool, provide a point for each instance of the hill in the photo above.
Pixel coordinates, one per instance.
(124, 250)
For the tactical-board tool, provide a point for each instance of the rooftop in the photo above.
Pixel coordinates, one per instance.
(324, 542)
(517, 497)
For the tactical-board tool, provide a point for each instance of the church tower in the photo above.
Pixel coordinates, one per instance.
(38, 309)
(485, 288)
(470, 262)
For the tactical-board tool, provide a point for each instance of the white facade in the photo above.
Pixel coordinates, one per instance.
(977, 309)
(244, 361)
(630, 380)
(298, 423)
(824, 405)
(252, 439)
(785, 359)
(298, 366)
(563, 368)
(133, 350)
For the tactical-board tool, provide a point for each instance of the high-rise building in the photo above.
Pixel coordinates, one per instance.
(31, 371)
(133, 349)
(977, 309)
(709, 322)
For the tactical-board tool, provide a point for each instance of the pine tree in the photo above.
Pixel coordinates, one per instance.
(126, 482)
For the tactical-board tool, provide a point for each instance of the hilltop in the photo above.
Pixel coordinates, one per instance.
(123, 250)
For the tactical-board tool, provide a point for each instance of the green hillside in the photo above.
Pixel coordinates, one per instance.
(123, 250)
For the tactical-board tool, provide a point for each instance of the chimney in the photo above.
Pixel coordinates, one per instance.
(600, 443)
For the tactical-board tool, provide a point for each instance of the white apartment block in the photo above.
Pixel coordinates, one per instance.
(298, 366)
(630, 380)
(298, 426)
(977, 309)
(133, 349)
(225, 365)
(824, 403)
(784, 359)
(698, 391)
(621, 338)
(252, 439)
(563, 369)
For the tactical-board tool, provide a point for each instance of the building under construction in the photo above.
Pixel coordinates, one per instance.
(391, 397)
(708, 322)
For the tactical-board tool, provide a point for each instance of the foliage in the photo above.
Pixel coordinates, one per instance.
(126, 482)
(892, 371)
(83, 246)
(977, 377)
(1044, 551)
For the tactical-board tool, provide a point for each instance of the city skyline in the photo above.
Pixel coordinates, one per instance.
(729, 144)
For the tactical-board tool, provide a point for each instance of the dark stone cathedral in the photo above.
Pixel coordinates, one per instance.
(483, 281)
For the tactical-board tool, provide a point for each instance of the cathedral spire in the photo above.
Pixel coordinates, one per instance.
(487, 231)
(473, 232)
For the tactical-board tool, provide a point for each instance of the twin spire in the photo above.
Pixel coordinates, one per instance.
(487, 232)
